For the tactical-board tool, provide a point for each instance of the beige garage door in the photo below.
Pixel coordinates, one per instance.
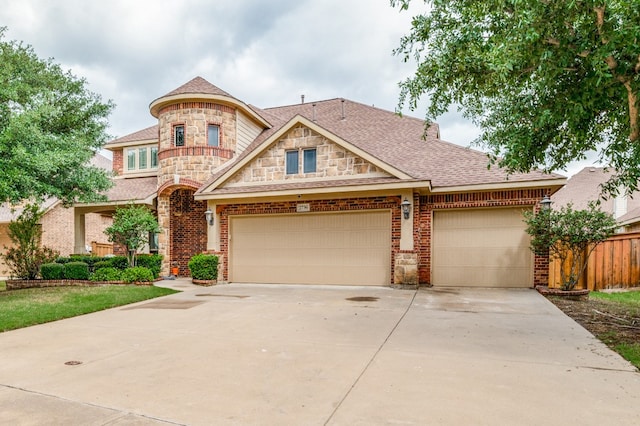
(481, 248)
(344, 249)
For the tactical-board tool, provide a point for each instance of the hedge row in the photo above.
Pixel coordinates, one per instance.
(152, 262)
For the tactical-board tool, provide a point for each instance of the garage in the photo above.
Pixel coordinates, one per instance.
(481, 248)
(309, 248)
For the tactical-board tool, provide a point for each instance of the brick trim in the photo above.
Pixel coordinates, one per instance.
(197, 105)
(190, 151)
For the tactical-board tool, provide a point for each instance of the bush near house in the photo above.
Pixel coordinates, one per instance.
(107, 273)
(204, 267)
(52, 271)
(137, 274)
(151, 261)
(76, 271)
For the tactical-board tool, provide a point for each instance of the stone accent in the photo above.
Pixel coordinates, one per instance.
(406, 269)
(332, 160)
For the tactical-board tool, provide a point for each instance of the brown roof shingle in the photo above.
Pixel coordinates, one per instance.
(150, 133)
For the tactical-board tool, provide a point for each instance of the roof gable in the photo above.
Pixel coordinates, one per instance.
(298, 133)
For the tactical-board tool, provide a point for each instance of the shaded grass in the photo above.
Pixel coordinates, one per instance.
(22, 308)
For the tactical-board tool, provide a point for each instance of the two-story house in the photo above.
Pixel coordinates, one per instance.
(328, 192)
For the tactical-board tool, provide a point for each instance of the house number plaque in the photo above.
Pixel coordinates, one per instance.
(303, 207)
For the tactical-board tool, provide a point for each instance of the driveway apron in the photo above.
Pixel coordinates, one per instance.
(313, 355)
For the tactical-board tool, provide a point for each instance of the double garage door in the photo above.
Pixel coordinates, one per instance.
(481, 248)
(473, 247)
(309, 248)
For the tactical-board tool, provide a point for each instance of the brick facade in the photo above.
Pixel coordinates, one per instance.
(188, 232)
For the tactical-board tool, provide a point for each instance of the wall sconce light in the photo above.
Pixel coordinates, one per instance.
(546, 202)
(406, 207)
(209, 217)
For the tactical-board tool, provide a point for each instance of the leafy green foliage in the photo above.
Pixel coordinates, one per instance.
(131, 228)
(76, 271)
(569, 236)
(106, 274)
(26, 255)
(137, 274)
(119, 262)
(151, 261)
(52, 271)
(204, 267)
(50, 128)
(547, 81)
(22, 308)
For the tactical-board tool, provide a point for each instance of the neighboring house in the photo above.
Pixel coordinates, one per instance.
(329, 192)
(586, 186)
(58, 224)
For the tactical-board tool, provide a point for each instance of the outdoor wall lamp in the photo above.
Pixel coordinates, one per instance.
(406, 207)
(546, 202)
(209, 216)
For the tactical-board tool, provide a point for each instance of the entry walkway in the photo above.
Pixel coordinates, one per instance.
(260, 354)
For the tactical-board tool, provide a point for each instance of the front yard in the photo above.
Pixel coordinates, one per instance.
(22, 308)
(613, 318)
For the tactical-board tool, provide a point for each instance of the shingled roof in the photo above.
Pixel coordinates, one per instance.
(150, 133)
(399, 141)
(199, 86)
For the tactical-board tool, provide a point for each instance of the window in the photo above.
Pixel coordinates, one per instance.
(309, 160)
(131, 159)
(154, 157)
(142, 158)
(213, 135)
(292, 162)
(178, 135)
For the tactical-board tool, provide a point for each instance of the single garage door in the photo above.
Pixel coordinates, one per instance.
(481, 248)
(344, 248)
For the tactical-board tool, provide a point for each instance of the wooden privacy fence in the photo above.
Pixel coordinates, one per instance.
(615, 263)
(101, 249)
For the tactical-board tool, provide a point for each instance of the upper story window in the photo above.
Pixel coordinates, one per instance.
(213, 135)
(178, 135)
(142, 158)
(309, 160)
(291, 162)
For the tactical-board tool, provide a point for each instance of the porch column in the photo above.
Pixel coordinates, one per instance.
(79, 243)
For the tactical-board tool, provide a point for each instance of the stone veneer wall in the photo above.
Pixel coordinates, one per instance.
(514, 198)
(287, 207)
(331, 160)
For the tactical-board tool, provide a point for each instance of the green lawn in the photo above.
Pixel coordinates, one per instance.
(22, 308)
(628, 306)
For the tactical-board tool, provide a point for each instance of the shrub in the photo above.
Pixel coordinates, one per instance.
(204, 267)
(52, 271)
(150, 261)
(76, 271)
(137, 274)
(119, 262)
(101, 264)
(63, 260)
(107, 273)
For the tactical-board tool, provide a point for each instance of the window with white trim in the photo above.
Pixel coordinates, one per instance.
(178, 135)
(309, 160)
(213, 135)
(291, 159)
(141, 158)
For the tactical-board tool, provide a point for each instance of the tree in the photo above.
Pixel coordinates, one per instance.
(131, 228)
(26, 255)
(50, 128)
(546, 81)
(569, 236)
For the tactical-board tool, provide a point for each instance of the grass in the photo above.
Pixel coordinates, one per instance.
(23, 308)
(629, 304)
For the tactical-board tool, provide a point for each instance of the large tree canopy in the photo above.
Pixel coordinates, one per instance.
(50, 128)
(546, 81)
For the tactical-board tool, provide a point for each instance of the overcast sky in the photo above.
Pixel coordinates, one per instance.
(265, 53)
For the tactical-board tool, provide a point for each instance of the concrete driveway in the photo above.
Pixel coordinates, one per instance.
(257, 354)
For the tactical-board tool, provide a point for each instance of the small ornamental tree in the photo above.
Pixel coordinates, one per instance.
(569, 236)
(26, 255)
(131, 228)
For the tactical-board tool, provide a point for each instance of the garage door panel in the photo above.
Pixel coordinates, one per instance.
(481, 247)
(349, 248)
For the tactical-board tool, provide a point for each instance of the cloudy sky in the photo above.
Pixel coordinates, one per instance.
(266, 53)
